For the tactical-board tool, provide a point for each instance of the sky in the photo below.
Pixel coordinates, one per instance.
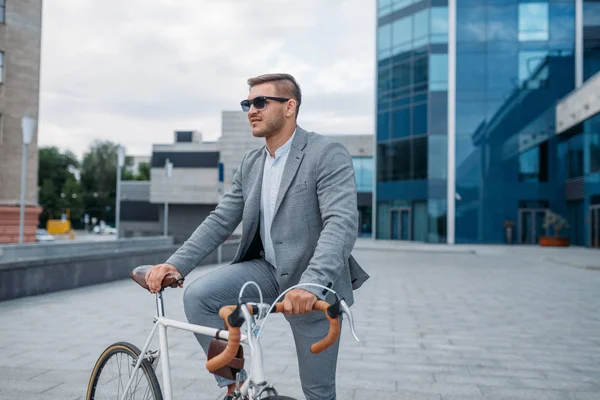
(134, 71)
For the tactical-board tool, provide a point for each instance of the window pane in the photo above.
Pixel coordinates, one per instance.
(562, 18)
(592, 129)
(575, 156)
(438, 72)
(383, 126)
(438, 157)
(402, 35)
(402, 160)
(591, 13)
(533, 21)
(421, 24)
(502, 72)
(529, 61)
(420, 158)
(420, 119)
(529, 165)
(401, 75)
(470, 73)
(420, 71)
(400, 4)
(502, 22)
(470, 26)
(401, 122)
(439, 25)
(384, 80)
(469, 115)
(384, 41)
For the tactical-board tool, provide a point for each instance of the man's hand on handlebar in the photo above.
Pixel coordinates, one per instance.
(299, 301)
(157, 273)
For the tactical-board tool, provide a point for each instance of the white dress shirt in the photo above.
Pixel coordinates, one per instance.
(272, 173)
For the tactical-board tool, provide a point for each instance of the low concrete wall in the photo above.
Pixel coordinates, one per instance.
(50, 274)
(69, 248)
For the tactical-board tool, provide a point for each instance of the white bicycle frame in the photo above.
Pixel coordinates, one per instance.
(255, 383)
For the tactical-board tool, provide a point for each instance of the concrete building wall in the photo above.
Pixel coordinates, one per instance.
(186, 186)
(579, 105)
(184, 219)
(236, 139)
(20, 42)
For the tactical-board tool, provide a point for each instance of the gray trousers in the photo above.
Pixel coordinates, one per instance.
(206, 295)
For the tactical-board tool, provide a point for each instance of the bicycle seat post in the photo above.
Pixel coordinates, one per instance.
(160, 307)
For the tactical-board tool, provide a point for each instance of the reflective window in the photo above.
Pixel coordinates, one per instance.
(470, 70)
(383, 126)
(419, 158)
(420, 71)
(529, 62)
(572, 149)
(470, 24)
(436, 210)
(401, 75)
(502, 22)
(400, 4)
(438, 117)
(401, 35)
(401, 122)
(533, 164)
(502, 72)
(384, 41)
(384, 80)
(439, 24)
(438, 72)
(384, 7)
(591, 13)
(533, 21)
(419, 119)
(363, 171)
(469, 115)
(421, 27)
(402, 160)
(562, 21)
(591, 62)
(592, 129)
(437, 167)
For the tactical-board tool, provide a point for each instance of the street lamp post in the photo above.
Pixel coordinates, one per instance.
(120, 164)
(168, 173)
(28, 127)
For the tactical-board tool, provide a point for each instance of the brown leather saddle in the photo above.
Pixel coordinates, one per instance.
(139, 276)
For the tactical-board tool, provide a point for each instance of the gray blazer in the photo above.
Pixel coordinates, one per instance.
(315, 222)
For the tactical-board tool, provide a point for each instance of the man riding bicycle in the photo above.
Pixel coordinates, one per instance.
(296, 196)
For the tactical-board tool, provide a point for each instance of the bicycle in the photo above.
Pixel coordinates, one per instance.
(225, 358)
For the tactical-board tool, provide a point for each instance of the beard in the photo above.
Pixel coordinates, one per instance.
(272, 126)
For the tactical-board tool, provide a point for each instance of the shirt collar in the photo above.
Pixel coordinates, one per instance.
(283, 149)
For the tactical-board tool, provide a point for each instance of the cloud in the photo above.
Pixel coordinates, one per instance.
(136, 71)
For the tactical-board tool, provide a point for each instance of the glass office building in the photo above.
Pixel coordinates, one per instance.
(466, 94)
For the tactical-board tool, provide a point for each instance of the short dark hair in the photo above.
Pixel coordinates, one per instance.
(285, 85)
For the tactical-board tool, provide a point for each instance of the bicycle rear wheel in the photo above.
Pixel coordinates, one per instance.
(113, 370)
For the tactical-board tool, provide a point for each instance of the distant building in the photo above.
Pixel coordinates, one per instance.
(20, 48)
(194, 189)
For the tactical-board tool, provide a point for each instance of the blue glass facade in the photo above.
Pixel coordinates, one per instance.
(514, 61)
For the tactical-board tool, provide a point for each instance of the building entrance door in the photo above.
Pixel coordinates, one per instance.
(400, 223)
(531, 225)
(595, 226)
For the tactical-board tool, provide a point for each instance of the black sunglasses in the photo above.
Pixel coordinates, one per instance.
(260, 102)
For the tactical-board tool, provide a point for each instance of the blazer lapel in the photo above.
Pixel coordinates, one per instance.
(291, 166)
(254, 198)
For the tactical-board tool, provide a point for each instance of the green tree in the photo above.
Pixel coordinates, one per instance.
(99, 179)
(56, 168)
(143, 172)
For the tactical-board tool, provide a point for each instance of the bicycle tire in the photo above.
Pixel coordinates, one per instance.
(279, 398)
(130, 350)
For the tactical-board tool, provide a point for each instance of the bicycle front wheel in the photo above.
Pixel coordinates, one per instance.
(112, 372)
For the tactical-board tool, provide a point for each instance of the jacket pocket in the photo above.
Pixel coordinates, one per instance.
(299, 188)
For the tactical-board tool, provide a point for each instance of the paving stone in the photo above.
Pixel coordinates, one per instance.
(500, 324)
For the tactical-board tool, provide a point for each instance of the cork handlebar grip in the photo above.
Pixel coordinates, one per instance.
(233, 343)
(334, 327)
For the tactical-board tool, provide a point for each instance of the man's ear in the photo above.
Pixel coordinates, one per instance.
(291, 108)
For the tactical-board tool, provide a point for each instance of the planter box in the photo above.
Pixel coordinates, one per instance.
(551, 241)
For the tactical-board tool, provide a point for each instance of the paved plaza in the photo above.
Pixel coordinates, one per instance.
(435, 322)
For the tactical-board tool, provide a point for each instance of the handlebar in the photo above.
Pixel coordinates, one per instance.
(233, 323)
